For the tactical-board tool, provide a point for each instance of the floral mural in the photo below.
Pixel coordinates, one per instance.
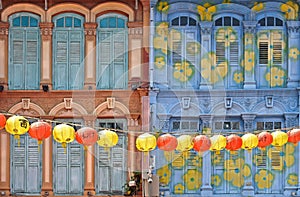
(264, 179)
(276, 76)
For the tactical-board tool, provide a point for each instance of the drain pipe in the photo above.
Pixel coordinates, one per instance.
(151, 52)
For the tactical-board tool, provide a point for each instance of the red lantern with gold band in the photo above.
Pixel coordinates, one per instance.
(294, 136)
(2, 121)
(201, 143)
(264, 139)
(167, 142)
(40, 130)
(233, 142)
(86, 136)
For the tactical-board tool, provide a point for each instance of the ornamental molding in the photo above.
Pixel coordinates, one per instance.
(206, 27)
(249, 27)
(135, 31)
(4, 29)
(46, 30)
(293, 26)
(90, 31)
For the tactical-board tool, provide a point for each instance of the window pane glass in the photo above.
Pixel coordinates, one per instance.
(104, 23)
(194, 125)
(119, 125)
(260, 126)
(218, 125)
(269, 125)
(236, 22)
(227, 125)
(121, 23)
(69, 22)
(262, 22)
(279, 22)
(77, 22)
(235, 125)
(33, 22)
(219, 22)
(112, 22)
(277, 125)
(176, 125)
(227, 21)
(16, 22)
(175, 22)
(270, 21)
(102, 125)
(60, 22)
(185, 125)
(110, 125)
(192, 22)
(25, 21)
(183, 21)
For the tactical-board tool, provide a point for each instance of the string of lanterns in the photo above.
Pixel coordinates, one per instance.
(145, 142)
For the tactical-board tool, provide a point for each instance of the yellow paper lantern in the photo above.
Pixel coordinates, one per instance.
(63, 134)
(145, 142)
(17, 125)
(279, 138)
(250, 141)
(185, 143)
(218, 142)
(107, 138)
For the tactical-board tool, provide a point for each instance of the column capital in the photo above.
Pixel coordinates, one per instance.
(248, 121)
(4, 26)
(206, 27)
(249, 26)
(293, 27)
(46, 30)
(90, 30)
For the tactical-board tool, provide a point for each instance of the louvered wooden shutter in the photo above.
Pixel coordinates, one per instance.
(119, 55)
(276, 160)
(61, 61)
(75, 69)
(32, 60)
(16, 68)
(263, 52)
(25, 166)
(105, 59)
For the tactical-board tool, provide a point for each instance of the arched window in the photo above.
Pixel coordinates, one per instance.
(68, 52)
(24, 52)
(184, 52)
(272, 68)
(112, 52)
(226, 72)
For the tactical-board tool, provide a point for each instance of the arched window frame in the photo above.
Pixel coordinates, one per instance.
(24, 52)
(68, 52)
(231, 50)
(275, 34)
(111, 71)
(189, 39)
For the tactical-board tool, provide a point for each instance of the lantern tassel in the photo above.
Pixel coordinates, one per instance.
(64, 145)
(40, 142)
(17, 137)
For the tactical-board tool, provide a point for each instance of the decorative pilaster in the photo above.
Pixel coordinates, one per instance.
(5, 162)
(293, 56)
(46, 54)
(4, 54)
(206, 189)
(248, 189)
(249, 57)
(291, 119)
(90, 30)
(206, 30)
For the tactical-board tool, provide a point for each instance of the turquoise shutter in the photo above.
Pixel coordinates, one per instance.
(16, 68)
(26, 171)
(76, 70)
(234, 63)
(105, 60)
(68, 169)
(61, 60)
(32, 61)
(120, 54)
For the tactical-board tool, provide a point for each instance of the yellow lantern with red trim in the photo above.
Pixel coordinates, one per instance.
(185, 143)
(107, 138)
(17, 125)
(145, 142)
(250, 141)
(63, 134)
(280, 138)
(218, 143)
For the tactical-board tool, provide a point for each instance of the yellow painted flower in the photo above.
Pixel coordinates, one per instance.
(174, 36)
(178, 162)
(160, 43)
(248, 39)
(238, 77)
(211, 71)
(226, 1)
(264, 179)
(249, 61)
(164, 174)
(197, 161)
(258, 6)
(295, 6)
(235, 171)
(183, 71)
(193, 48)
(275, 77)
(206, 12)
(206, 5)
(216, 159)
(193, 179)
(216, 180)
(162, 29)
(292, 179)
(179, 189)
(286, 156)
(294, 52)
(160, 61)
(228, 34)
(163, 6)
(289, 11)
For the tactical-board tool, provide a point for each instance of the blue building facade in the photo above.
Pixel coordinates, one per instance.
(233, 67)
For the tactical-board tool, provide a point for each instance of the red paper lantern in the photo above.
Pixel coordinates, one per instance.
(86, 136)
(201, 143)
(294, 136)
(40, 130)
(2, 121)
(264, 139)
(167, 142)
(234, 142)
